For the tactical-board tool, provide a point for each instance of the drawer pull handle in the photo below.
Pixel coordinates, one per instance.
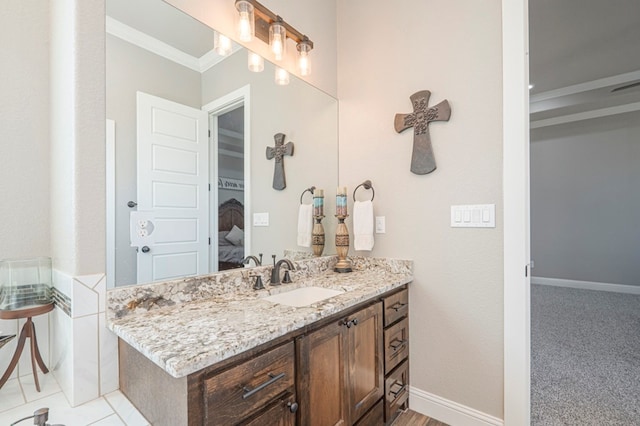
(350, 323)
(399, 391)
(250, 392)
(397, 306)
(395, 344)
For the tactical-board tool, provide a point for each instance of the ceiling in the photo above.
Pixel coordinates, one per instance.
(580, 51)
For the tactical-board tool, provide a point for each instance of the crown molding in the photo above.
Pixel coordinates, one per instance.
(153, 45)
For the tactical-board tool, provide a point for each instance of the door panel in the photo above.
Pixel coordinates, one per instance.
(173, 186)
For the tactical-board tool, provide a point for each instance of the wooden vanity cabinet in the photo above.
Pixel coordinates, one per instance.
(348, 369)
(396, 354)
(340, 369)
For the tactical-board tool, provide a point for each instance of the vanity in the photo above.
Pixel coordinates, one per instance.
(212, 351)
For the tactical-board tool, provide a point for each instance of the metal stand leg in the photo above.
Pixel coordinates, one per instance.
(28, 331)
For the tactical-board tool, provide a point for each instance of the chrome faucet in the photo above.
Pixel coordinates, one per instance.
(275, 272)
(257, 261)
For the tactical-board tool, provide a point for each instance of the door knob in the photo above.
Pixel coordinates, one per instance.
(146, 249)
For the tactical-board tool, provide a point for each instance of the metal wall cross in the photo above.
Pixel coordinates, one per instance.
(278, 152)
(422, 159)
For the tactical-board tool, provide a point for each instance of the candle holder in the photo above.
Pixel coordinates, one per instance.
(342, 245)
(317, 236)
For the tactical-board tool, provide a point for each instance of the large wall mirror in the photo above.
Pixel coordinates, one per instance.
(187, 134)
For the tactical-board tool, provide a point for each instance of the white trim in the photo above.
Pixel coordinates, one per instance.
(614, 80)
(515, 181)
(586, 115)
(447, 411)
(153, 45)
(587, 285)
(111, 202)
(144, 41)
(218, 106)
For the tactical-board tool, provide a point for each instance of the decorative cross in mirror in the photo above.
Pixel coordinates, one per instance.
(278, 152)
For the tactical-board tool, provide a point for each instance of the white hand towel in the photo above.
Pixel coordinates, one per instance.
(305, 225)
(363, 225)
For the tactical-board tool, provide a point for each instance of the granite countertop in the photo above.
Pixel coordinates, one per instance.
(183, 338)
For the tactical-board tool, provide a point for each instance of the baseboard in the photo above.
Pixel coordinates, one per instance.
(447, 411)
(586, 285)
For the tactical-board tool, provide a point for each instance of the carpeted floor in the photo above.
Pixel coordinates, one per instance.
(585, 357)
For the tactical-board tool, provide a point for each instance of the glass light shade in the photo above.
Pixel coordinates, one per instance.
(278, 39)
(221, 44)
(282, 76)
(304, 62)
(255, 62)
(245, 20)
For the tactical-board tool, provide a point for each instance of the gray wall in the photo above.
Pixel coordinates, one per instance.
(585, 200)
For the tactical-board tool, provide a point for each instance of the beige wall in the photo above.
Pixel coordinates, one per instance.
(77, 106)
(454, 50)
(24, 129)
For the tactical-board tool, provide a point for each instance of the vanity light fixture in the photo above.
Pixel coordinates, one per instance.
(282, 76)
(246, 20)
(221, 44)
(278, 38)
(255, 62)
(304, 64)
(272, 29)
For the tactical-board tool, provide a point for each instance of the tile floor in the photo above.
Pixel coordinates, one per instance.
(19, 398)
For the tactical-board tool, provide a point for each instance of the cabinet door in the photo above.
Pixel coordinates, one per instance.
(322, 376)
(365, 354)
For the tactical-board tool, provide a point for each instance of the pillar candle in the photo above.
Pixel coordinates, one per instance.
(318, 203)
(341, 201)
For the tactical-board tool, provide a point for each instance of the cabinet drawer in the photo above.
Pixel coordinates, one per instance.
(240, 391)
(374, 416)
(396, 344)
(396, 391)
(396, 306)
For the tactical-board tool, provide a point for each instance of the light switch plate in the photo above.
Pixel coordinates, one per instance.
(473, 216)
(380, 225)
(261, 219)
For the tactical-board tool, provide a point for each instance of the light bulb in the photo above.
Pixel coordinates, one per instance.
(255, 62)
(221, 44)
(304, 63)
(278, 39)
(277, 46)
(282, 76)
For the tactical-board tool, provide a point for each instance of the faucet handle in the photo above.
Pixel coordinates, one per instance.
(257, 285)
(287, 277)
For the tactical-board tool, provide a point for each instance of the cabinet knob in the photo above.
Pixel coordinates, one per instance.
(146, 249)
(293, 406)
(354, 321)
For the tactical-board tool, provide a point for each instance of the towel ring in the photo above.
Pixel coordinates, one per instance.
(367, 185)
(311, 189)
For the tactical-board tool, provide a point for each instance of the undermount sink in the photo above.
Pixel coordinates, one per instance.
(304, 296)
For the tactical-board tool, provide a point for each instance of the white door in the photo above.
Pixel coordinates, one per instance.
(173, 187)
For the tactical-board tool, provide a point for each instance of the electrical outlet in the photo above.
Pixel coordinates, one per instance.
(380, 225)
(143, 223)
(143, 233)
